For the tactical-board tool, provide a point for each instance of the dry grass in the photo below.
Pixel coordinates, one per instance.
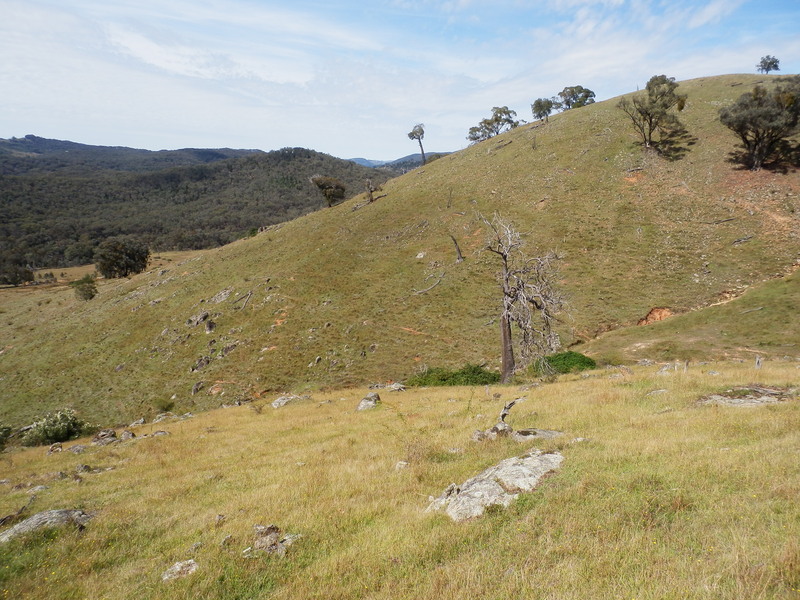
(665, 499)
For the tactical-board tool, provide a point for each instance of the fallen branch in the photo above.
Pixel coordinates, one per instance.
(744, 312)
(246, 297)
(428, 289)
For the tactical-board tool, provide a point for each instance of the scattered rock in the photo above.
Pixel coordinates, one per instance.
(401, 464)
(127, 435)
(396, 387)
(525, 435)
(220, 296)
(210, 326)
(137, 422)
(164, 416)
(497, 485)
(83, 469)
(179, 569)
(54, 448)
(197, 387)
(77, 449)
(195, 547)
(369, 401)
(197, 319)
(47, 519)
(104, 437)
(226, 541)
(37, 489)
(645, 362)
(713, 373)
(203, 361)
(270, 539)
(158, 433)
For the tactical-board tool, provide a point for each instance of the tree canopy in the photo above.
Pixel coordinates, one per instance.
(120, 257)
(417, 133)
(763, 120)
(502, 120)
(575, 96)
(768, 63)
(651, 111)
(543, 107)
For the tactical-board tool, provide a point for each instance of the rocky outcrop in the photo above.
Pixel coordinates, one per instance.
(46, 520)
(272, 540)
(369, 401)
(497, 485)
(179, 570)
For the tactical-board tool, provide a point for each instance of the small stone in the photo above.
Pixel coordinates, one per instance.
(226, 541)
(37, 489)
(159, 432)
(127, 435)
(137, 422)
(83, 469)
(104, 437)
(77, 449)
(179, 569)
(400, 465)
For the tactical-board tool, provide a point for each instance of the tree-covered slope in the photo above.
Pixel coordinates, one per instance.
(338, 296)
(54, 216)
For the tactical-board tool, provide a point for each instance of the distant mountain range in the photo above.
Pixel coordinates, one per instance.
(412, 161)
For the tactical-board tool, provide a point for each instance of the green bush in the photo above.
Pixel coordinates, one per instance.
(85, 287)
(5, 433)
(563, 362)
(61, 426)
(468, 375)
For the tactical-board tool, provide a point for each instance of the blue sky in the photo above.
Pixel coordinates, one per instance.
(349, 78)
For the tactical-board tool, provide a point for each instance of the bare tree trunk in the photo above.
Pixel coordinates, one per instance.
(459, 256)
(421, 150)
(507, 364)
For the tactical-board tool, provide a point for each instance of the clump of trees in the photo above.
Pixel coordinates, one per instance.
(531, 300)
(575, 96)
(764, 120)
(332, 189)
(417, 133)
(768, 63)
(14, 270)
(503, 119)
(120, 257)
(652, 111)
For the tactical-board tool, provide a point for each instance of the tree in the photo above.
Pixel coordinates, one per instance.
(417, 134)
(542, 107)
(768, 63)
(120, 257)
(575, 96)
(763, 120)
(14, 270)
(502, 120)
(333, 189)
(530, 298)
(651, 111)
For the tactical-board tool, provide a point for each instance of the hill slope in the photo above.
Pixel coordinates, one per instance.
(333, 298)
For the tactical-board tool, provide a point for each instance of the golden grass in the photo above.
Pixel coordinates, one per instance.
(664, 499)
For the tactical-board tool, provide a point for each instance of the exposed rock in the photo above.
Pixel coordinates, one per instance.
(525, 435)
(54, 448)
(645, 362)
(197, 319)
(180, 569)
(164, 416)
(284, 400)
(210, 326)
(77, 449)
(83, 469)
(655, 314)
(396, 387)
(401, 464)
(137, 422)
(271, 539)
(369, 401)
(197, 387)
(159, 433)
(47, 519)
(37, 489)
(497, 485)
(753, 395)
(203, 361)
(104, 437)
(127, 435)
(220, 296)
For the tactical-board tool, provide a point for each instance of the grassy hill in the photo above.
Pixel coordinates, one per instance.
(333, 298)
(664, 498)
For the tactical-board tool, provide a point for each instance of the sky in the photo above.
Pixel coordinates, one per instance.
(350, 78)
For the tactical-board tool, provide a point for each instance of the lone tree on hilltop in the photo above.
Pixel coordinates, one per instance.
(576, 96)
(502, 120)
(764, 120)
(417, 134)
(333, 189)
(531, 301)
(543, 107)
(119, 257)
(768, 63)
(652, 111)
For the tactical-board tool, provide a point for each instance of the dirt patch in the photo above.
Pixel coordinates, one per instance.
(750, 395)
(655, 314)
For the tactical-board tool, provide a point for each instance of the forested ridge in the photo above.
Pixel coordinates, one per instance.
(60, 199)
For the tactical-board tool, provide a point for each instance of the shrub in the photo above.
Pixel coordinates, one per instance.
(563, 362)
(468, 375)
(85, 287)
(61, 426)
(5, 433)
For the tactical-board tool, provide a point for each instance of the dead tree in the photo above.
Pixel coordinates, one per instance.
(531, 301)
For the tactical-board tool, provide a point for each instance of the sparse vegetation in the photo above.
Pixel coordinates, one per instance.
(467, 375)
(502, 119)
(61, 426)
(85, 287)
(652, 111)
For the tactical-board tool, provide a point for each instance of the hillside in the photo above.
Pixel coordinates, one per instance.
(659, 495)
(335, 298)
(60, 199)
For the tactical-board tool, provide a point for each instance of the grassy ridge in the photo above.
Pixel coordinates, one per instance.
(336, 294)
(665, 499)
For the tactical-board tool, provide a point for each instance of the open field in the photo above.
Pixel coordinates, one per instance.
(664, 498)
